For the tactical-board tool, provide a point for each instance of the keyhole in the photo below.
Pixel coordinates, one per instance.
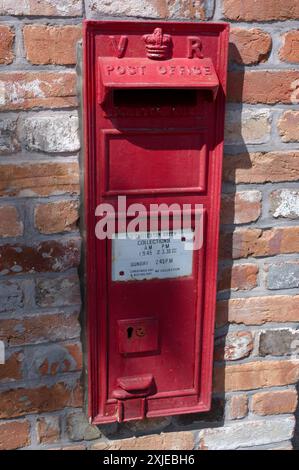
(130, 332)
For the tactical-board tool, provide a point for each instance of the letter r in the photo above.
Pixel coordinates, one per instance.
(194, 45)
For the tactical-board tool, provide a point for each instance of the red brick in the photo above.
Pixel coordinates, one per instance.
(288, 126)
(47, 429)
(39, 329)
(249, 46)
(273, 403)
(290, 49)
(22, 401)
(243, 243)
(55, 217)
(10, 224)
(264, 86)
(238, 406)
(164, 441)
(26, 90)
(253, 375)
(258, 310)
(6, 44)
(53, 256)
(38, 179)
(241, 207)
(263, 10)
(14, 434)
(51, 44)
(12, 369)
(261, 167)
(238, 277)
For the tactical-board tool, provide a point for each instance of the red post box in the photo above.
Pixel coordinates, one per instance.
(154, 96)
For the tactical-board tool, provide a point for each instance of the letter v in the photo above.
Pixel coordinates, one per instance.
(120, 46)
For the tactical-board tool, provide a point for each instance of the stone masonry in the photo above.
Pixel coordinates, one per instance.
(256, 370)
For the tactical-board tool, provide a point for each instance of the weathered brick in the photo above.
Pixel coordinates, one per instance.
(283, 275)
(258, 310)
(254, 433)
(264, 86)
(280, 342)
(79, 429)
(238, 277)
(238, 345)
(253, 375)
(274, 403)
(39, 329)
(6, 44)
(247, 126)
(42, 360)
(55, 217)
(284, 203)
(257, 242)
(150, 8)
(47, 429)
(53, 359)
(9, 141)
(41, 7)
(26, 90)
(58, 291)
(10, 223)
(249, 46)
(169, 441)
(52, 255)
(52, 133)
(51, 44)
(262, 167)
(146, 426)
(241, 207)
(11, 296)
(264, 10)
(238, 406)
(14, 434)
(39, 179)
(12, 369)
(286, 445)
(215, 415)
(288, 126)
(74, 447)
(290, 49)
(22, 401)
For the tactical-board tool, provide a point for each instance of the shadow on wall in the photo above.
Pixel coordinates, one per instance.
(295, 440)
(216, 416)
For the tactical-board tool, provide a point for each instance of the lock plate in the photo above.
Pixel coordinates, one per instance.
(138, 336)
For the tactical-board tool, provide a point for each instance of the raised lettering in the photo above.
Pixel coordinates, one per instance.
(120, 46)
(194, 47)
(121, 70)
(109, 69)
(162, 70)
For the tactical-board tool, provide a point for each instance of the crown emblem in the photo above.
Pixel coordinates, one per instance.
(158, 45)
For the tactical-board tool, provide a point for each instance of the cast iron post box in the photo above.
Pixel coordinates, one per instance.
(154, 96)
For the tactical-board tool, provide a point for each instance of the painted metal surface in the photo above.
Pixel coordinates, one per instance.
(154, 96)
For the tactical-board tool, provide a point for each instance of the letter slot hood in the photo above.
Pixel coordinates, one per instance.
(141, 73)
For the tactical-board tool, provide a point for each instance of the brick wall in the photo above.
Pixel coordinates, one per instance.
(258, 309)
